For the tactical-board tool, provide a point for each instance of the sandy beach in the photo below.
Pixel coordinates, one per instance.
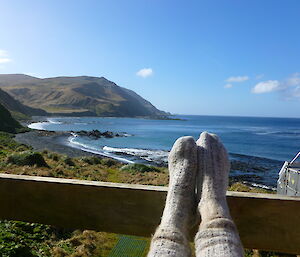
(52, 141)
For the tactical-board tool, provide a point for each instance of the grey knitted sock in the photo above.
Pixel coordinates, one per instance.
(212, 177)
(170, 239)
(217, 235)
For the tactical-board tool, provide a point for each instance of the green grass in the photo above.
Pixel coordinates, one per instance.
(137, 167)
(30, 158)
(8, 123)
(8, 143)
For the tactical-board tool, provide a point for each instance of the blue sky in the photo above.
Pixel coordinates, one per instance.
(222, 57)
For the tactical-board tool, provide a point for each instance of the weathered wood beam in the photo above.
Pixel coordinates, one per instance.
(265, 221)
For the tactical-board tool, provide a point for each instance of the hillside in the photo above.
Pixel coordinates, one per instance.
(8, 123)
(77, 96)
(17, 109)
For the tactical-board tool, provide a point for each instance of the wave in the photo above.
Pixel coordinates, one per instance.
(280, 133)
(157, 156)
(52, 121)
(42, 124)
(88, 148)
(38, 125)
(260, 186)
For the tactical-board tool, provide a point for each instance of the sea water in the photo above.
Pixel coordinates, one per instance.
(257, 146)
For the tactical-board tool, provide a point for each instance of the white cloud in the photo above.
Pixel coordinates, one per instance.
(266, 87)
(259, 76)
(228, 86)
(288, 89)
(4, 57)
(293, 80)
(144, 73)
(4, 60)
(237, 79)
(3, 52)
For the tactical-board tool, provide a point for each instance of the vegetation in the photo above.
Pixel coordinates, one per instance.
(30, 158)
(18, 111)
(8, 123)
(137, 167)
(22, 239)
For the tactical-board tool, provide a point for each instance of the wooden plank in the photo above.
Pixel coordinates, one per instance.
(265, 221)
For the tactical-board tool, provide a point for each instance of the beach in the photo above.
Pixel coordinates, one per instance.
(52, 141)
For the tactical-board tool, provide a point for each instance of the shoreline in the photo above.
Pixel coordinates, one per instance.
(41, 140)
(58, 142)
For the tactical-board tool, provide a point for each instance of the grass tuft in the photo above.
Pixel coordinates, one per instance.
(138, 167)
(27, 158)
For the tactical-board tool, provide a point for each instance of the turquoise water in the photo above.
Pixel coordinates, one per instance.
(272, 140)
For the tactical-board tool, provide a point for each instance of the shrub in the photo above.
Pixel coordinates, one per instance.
(69, 161)
(7, 141)
(108, 162)
(22, 148)
(27, 158)
(138, 167)
(93, 160)
(53, 156)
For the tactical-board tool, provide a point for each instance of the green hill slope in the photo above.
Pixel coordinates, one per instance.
(78, 95)
(17, 109)
(7, 122)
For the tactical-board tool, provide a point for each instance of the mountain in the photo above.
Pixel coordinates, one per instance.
(8, 123)
(83, 95)
(17, 109)
(12, 79)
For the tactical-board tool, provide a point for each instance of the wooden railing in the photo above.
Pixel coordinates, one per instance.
(265, 221)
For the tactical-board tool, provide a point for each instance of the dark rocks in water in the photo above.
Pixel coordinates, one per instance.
(247, 167)
(95, 134)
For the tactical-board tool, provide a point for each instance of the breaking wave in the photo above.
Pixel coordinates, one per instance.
(157, 156)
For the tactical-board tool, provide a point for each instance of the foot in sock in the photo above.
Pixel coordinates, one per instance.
(212, 180)
(181, 201)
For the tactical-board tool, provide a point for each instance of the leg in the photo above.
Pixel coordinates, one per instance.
(171, 237)
(217, 235)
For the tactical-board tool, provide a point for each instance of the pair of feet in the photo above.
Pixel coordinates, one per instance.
(198, 182)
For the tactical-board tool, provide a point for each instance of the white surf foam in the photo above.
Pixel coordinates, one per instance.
(38, 125)
(88, 148)
(42, 125)
(261, 186)
(158, 156)
(53, 121)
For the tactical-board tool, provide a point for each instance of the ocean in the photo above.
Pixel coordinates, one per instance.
(257, 146)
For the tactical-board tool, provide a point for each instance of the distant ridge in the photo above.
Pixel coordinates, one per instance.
(80, 96)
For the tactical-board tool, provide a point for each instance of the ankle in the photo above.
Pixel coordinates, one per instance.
(213, 208)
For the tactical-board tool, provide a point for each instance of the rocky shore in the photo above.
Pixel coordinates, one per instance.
(96, 134)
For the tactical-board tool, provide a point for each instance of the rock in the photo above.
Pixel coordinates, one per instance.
(96, 134)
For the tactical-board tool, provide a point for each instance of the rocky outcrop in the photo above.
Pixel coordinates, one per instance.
(96, 134)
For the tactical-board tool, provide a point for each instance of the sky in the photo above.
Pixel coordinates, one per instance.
(214, 57)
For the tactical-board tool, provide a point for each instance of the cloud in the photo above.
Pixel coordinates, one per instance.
(237, 79)
(288, 89)
(4, 57)
(259, 76)
(266, 87)
(228, 86)
(144, 73)
(293, 80)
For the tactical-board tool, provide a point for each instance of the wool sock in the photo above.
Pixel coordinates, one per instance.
(217, 235)
(171, 237)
